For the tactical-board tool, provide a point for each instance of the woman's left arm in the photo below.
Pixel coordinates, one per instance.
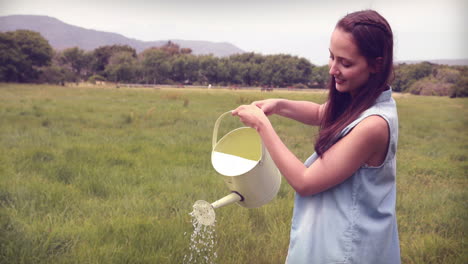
(338, 163)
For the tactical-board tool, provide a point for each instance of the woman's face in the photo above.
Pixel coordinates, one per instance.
(347, 65)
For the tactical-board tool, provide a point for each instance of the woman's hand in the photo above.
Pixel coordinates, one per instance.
(251, 115)
(268, 106)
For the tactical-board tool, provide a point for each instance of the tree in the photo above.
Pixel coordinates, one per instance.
(121, 67)
(102, 55)
(155, 65)
(185, 51)
(171, 48)
(208, 69)
(22, 53)
(250, 74)
(76, 60)
(223, 72)
(320, 76)
(231, 72)
(276, 70)
(304, 69)
(11, 59)
(184, 68)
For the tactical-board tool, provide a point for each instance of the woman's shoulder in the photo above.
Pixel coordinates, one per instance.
(374, 131)
(373, 127)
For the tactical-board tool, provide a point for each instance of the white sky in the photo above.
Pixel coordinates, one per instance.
(423, 29)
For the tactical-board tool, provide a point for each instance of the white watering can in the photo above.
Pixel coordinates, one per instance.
(247, 168)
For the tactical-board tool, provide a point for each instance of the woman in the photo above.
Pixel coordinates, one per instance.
(344, 210)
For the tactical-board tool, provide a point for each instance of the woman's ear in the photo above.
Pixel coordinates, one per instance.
(376, 66)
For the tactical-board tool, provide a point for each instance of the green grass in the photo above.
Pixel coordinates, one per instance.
(105, 175)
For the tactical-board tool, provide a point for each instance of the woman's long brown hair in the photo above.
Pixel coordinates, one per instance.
(374, 39)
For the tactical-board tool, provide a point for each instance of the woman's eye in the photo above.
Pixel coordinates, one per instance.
(346, 64)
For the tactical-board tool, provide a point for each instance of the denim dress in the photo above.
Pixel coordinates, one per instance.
(354, 221)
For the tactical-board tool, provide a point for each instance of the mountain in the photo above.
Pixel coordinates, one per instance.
(62, 35)
(450, 62)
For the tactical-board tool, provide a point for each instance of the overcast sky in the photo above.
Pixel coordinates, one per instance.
(423, 29)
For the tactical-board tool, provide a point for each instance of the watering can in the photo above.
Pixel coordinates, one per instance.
(247, 169)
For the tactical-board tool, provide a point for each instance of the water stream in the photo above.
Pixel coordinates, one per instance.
(203, 239)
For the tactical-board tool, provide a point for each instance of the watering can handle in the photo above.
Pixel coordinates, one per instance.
(216, 126)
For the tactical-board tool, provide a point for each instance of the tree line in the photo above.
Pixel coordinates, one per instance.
(168, 64)
(25, 56)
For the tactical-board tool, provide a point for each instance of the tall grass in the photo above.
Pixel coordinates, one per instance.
(101, 175)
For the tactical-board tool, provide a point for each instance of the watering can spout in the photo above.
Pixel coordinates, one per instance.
(227, 200)
(204, 212)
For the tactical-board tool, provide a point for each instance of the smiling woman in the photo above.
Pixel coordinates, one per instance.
(344, 209)
(348, 67)
(365, 41)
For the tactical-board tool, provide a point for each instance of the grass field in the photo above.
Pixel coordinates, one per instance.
(106, 175)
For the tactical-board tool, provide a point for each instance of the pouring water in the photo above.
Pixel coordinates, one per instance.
(249, 173)
(203, 239)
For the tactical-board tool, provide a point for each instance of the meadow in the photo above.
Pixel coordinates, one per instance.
(107, 175)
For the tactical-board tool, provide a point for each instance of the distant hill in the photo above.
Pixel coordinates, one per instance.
(62, 35)
(452, 62)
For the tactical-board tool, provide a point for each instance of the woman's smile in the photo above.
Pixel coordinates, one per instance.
(338, 80)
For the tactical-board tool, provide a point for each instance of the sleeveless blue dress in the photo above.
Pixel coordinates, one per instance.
(355, 221)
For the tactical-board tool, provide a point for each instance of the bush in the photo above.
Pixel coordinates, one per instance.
(300, 86)
(430, 86)
(407, 74)
(96, 77)
(431, 79)
(447, 75)
(460, 88)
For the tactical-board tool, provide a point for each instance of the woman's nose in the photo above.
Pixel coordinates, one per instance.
(333, 69)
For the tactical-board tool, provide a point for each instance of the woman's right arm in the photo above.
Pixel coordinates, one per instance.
(303, 111)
